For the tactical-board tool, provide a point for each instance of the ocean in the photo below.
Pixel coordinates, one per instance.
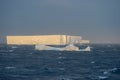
(26, 63)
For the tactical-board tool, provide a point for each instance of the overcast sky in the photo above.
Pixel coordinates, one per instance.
(96, 20)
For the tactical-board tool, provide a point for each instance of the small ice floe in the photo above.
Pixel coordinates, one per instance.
(10, 67)
(103, 77)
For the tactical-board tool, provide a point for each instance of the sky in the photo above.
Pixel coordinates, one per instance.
(95, 20)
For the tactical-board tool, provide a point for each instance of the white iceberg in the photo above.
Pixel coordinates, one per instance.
(70, 47)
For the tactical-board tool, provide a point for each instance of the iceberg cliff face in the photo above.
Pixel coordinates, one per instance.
(45, 40)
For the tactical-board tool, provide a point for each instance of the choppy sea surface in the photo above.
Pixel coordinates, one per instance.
(26, 63)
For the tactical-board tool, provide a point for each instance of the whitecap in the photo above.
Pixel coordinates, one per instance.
(10, 67)
(14, 47)
(59, 62)
(61, 57)
(11, 50)
(113, 70)
(92, 62)
(116, 70)
(103, 77)
(105, 72)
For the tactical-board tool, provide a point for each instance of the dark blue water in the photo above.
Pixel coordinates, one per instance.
(25, 63)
